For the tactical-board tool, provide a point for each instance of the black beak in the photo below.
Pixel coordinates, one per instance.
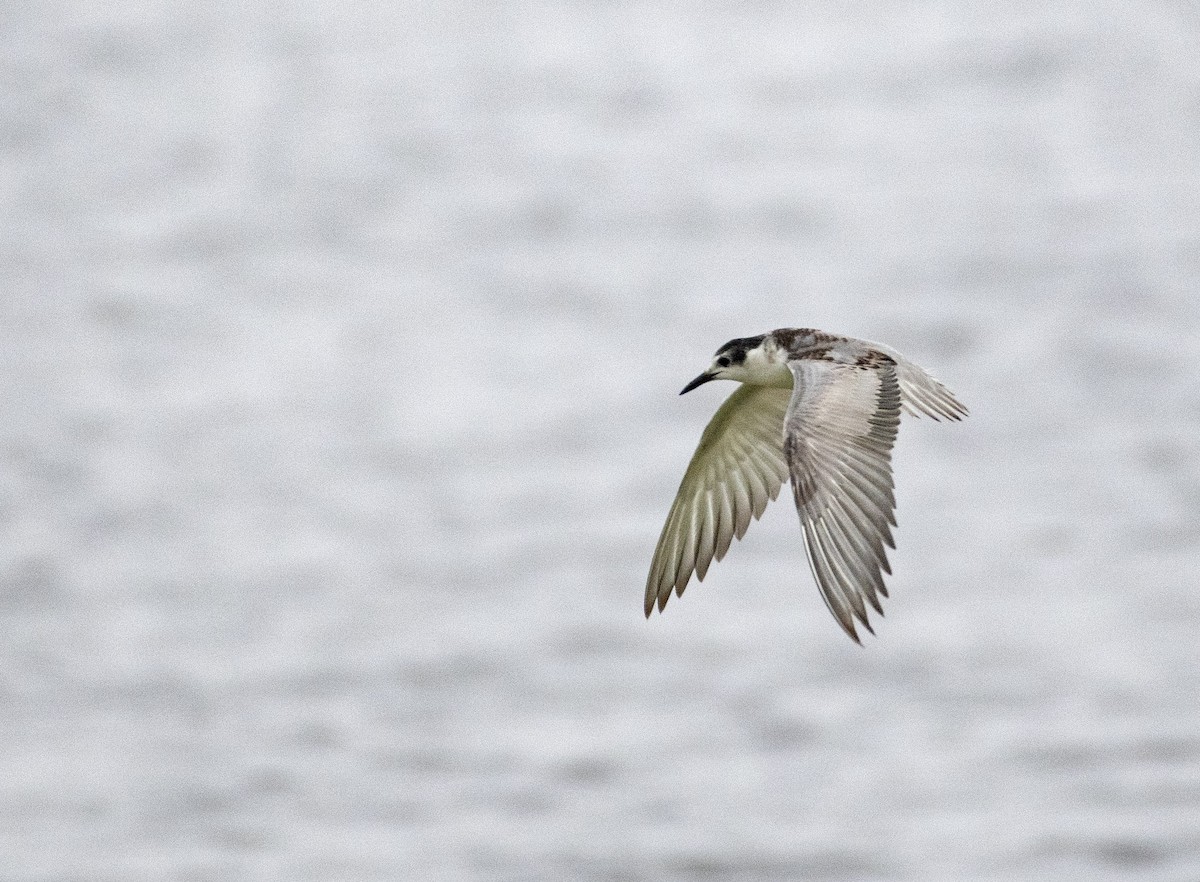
(699, 381)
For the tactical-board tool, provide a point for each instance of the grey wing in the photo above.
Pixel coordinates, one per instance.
(736, 470)
(839, 432)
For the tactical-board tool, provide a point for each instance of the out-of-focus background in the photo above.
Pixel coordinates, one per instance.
(339, 351)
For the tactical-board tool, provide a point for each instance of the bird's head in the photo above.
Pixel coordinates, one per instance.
(754, 360)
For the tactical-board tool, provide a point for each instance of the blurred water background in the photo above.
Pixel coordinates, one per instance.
(339, 351)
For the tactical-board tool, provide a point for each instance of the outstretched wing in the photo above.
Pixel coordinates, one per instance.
(736, 470)
(839, 431)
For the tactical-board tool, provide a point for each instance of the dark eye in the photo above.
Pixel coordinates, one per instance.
(722, 361)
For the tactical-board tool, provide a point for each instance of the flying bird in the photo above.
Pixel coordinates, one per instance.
(818, 410)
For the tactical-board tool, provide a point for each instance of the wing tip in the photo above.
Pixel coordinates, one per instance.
(848, 627)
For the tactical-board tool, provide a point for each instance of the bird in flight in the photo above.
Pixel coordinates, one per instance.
(818, 410)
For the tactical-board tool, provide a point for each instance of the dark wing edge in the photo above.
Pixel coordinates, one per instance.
(921, 392)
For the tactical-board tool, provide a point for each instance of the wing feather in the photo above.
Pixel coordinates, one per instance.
(742, 504)
(707, 533)
(860, 570)
(728, 523)
(759, 481)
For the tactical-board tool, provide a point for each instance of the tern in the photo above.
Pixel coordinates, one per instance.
(821, 411)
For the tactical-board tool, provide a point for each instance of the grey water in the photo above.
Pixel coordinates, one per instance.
(339, 356)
